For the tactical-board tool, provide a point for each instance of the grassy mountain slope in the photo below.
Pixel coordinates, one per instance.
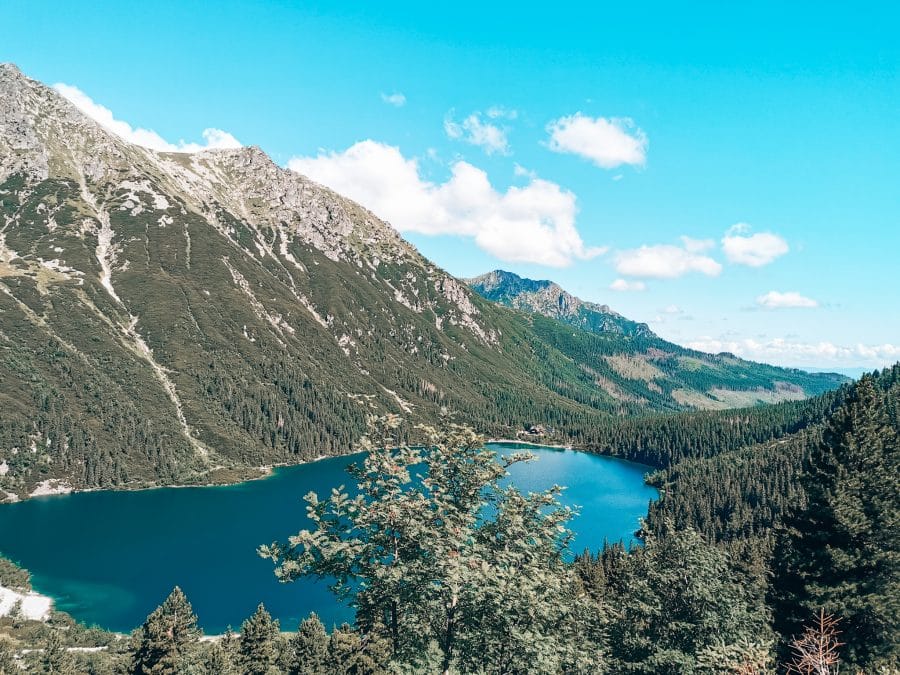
(637, 367)
(182, 317)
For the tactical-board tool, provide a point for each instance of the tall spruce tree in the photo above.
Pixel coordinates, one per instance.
(258, 644)
(165, 642)
(309, 648)
(841, 550)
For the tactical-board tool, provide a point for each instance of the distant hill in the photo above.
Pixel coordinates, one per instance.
(173, 318)
(632, 363)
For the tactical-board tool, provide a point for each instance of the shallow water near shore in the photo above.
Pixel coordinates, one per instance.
(111, 557)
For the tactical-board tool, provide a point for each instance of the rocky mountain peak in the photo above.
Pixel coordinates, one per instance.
(550, 299)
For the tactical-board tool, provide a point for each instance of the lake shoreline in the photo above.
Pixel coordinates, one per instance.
(555, 446)
(65, 488)
(45, 490)
(33, 606)
(57, 487)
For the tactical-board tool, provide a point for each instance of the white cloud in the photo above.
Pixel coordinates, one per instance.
(499, 112)
(473, 130)
(214, 138)
(664, 261)
(396, 99)
(521, 171)
(672, 309)
(534, 223)
(754, 250)
(623, 285)
(697, 245)
(778, 300)
(809, 354)
(607, 142)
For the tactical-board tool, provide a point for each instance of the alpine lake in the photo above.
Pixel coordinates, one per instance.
(110, 557)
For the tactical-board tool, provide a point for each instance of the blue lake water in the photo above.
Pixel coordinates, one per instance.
(109, 558)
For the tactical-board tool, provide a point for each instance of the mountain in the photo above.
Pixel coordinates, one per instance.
(176, 318)
(695, 379)
(550, 299)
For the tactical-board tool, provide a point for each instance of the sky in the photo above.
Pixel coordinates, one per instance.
(728, 173)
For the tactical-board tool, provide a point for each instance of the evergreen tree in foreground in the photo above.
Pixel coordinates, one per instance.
(435, 551)
(309, 648)
(673, 600)
(841, 551)
(164, 643)
(258, 644)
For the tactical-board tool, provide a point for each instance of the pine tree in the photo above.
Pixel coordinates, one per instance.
(673, 599)
(165, 641)
(258, 643)
(309, 648)
(426, 564)
(353, 653)
(222, 656)
(841, 551)
(56, 658)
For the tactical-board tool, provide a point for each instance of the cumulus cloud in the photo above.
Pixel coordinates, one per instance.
(753, 250)
(534, 223)
(607, 142)
(490, 137)
(213, 138)
(779, 300)
(785, 352)
(623, 285)
(396, 99)
(665, 261)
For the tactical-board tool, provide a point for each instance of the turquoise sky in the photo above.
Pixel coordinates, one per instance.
(556, 141)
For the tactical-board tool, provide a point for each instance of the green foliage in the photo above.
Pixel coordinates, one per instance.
(309, 648)
(12, 576)
(258, 644)
(55, 657)
(740, 658)
(167, 639)
(671, 600)
(7, 658)
(222, 656)
(434, 550)
(840, 550)
(353, 653)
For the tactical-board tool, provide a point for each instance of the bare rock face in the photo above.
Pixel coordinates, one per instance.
(549, 299)
(43, 136)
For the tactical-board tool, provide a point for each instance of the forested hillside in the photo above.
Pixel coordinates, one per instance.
(782, 556)
(803, 498)
(176, 318)
(633, 364)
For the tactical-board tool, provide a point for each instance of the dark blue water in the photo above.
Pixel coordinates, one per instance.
(110, 558)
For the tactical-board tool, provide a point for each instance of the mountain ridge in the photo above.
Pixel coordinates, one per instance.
(552, 300)
(176, 317)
